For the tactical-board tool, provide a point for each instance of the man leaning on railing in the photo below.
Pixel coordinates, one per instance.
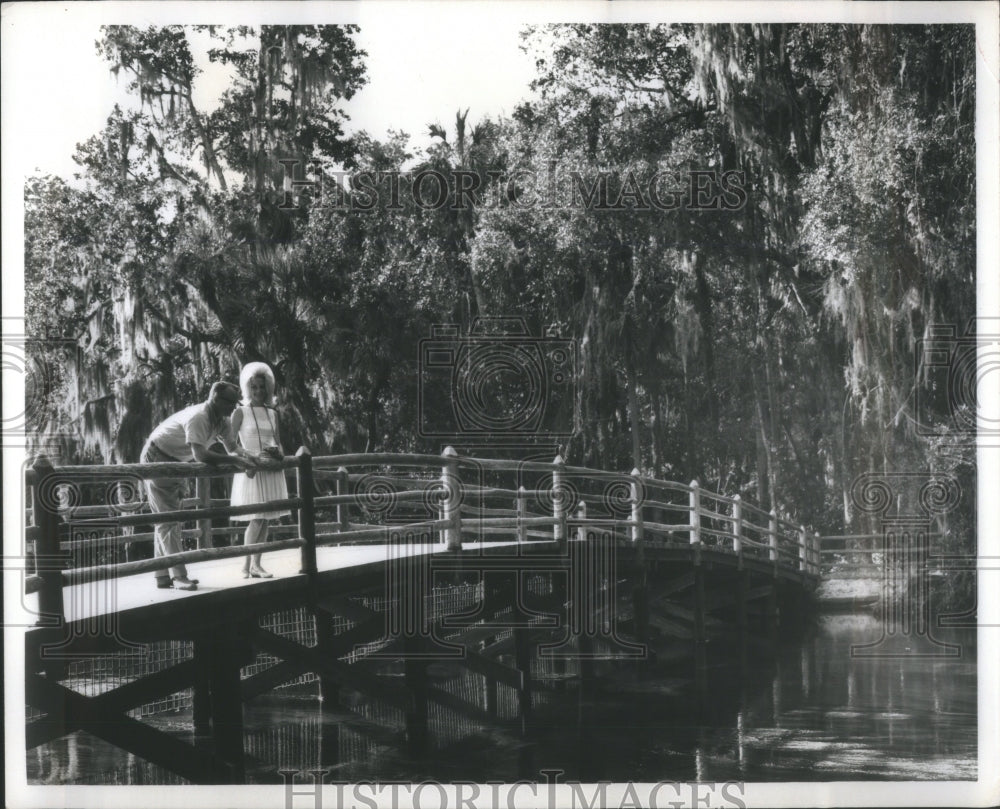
(186, 436)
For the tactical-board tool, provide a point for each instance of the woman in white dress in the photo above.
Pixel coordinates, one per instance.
(255, 422)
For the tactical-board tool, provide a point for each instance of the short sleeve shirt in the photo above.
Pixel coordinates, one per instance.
(192, 425)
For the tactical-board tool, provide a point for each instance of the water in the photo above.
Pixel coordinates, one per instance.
(810, 713)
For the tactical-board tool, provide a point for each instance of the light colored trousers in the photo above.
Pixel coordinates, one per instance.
(165, 494)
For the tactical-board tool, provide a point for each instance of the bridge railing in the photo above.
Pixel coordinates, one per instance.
(370, 497)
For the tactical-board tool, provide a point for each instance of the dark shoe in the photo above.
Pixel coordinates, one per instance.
(164, 584)
(186, 584)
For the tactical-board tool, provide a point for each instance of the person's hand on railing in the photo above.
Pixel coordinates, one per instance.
(269, 458)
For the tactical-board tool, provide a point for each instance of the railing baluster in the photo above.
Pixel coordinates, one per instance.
(558, 500)
(772, 531)
(738, 527)
(203, 493)
(342, 487)
(638, 528)
(694, 514)
(521, 505)
(802, 548)
(451, 505)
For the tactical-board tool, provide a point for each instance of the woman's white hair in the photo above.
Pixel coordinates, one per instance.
(255, 369)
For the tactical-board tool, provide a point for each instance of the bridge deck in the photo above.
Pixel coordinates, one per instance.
(137, 604)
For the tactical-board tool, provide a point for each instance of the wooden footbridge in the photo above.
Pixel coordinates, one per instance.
(521, 576)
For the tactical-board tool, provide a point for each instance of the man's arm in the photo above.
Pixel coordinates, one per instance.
(203, 454)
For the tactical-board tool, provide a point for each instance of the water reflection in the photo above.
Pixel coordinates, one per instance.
(811, 713)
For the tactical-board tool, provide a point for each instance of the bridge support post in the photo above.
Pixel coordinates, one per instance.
(585, 659)
(771, 616)
(700, 637)
(522, 660)
(201, 695)
(329, 690)
(415, 674)
(743, 595)
(227, 655)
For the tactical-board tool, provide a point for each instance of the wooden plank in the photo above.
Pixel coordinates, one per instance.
(129, 734)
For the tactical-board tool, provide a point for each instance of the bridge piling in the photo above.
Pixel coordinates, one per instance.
(227, 655)
(522, 660)
(201, 696)
(329, 688)
(415, 675)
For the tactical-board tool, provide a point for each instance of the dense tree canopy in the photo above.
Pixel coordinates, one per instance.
(757, 328)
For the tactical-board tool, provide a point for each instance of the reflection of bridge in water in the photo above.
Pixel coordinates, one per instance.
(520, 575)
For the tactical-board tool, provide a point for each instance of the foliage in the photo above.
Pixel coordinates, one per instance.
(767, 347)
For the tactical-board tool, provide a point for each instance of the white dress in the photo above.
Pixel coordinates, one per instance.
(256, 432)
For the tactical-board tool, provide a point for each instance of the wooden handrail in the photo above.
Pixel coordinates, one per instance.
(720, 519)
(188, 515)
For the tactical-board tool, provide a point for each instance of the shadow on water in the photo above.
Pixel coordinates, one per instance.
(812, 712)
